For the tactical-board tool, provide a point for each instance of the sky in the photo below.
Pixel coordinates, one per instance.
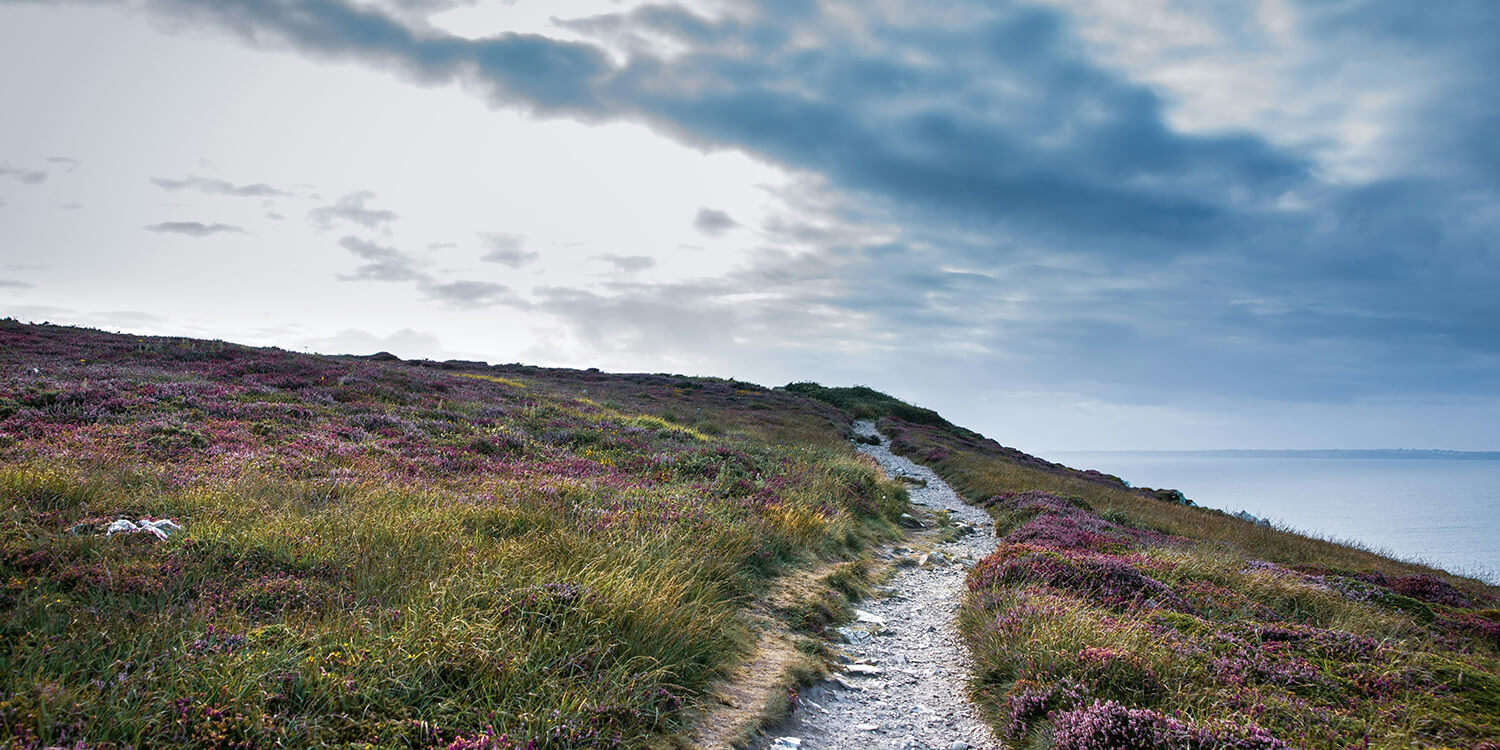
(1068, 224)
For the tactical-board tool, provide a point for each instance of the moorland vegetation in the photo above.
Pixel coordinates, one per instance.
(389, 553)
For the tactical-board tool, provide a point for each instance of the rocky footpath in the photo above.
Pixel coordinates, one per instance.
(903, 667)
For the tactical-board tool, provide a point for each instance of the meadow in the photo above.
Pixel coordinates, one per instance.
(1111, 616)
(379, 553)
(417, 554)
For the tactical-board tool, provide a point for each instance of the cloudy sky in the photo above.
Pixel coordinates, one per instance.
(1070, 224)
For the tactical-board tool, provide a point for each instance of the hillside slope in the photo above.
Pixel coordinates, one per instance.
(1113, 617)
(388, 553)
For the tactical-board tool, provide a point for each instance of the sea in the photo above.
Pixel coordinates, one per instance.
(1441, 509)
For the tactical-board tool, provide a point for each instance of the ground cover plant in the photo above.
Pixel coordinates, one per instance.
(1108, 617)
(387, 553)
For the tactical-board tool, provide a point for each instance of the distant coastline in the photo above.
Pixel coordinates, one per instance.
(1380, 454)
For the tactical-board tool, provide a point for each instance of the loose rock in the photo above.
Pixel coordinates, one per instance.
(160, 529)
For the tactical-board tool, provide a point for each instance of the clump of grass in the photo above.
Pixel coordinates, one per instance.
(863, 402)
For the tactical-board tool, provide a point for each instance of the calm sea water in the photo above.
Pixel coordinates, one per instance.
(1445, 513)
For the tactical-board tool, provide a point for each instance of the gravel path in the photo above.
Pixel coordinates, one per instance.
(905, 667)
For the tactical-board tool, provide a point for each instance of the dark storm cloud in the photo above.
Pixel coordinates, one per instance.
(1049, 215)
(1458, 123)
(712, 221)
(214, 186)
(195, 228)
(506, 249)
(1005, 121)
(522, 69)
(351, 208)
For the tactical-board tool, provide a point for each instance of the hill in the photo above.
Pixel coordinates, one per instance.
(453, 554)
(407, 554)
(1114, 617)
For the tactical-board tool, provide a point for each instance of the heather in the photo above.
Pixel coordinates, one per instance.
(1107, 618)
(398, 554)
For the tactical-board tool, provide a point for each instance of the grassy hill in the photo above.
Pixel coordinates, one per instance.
(406, 554)
(1111, 617)
(392, 553)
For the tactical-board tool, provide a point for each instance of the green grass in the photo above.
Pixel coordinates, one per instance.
(1108, 617)
(862, 402)
(391, 555)
(415, 555)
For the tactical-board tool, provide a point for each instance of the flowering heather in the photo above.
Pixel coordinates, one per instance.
(1060, 523)
(1109, 725)
(1110, 618)
(388, 553)
(1103, 579)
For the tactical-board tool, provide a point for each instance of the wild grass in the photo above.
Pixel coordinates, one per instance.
(390, 554)
(1109, 618)
(980, 469)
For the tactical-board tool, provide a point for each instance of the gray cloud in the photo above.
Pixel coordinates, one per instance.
(465, 293)
(68, 163)
(384, 263)
(215, 186)
(628, 263)
(195, 228)
(420, 9)
(13, 284)
(541, 73)
(506, 249)
(1050, 222)
(1068, 149)
(712, 221)
(351, 208)
(23, 176)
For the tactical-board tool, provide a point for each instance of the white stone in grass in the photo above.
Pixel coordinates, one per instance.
(122, 526)
(792, 743)
(160, 529)
(863, 616)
